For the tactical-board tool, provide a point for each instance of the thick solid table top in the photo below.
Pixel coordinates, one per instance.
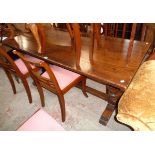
(112, 64)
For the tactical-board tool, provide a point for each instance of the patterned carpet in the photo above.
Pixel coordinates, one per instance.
(82, 114)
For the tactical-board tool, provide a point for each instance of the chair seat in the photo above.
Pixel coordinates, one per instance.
(33, 59)
(20, 64)
(63, 76)
(41, 121)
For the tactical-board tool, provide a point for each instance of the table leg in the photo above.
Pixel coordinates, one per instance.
(114, 95)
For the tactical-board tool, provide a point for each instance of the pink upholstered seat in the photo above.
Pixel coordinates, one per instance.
(33, 59)
(63, 76)
(20, 64)
(41, 121)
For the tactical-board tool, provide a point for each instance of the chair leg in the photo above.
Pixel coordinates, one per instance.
(40, 90)
(106, 89)
(62, 106)
(11, 81)
(17, 79)
(84, 87)
(27, 88)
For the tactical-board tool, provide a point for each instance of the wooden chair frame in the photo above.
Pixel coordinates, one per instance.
(51, 84)
(114, 30)
(9, 66)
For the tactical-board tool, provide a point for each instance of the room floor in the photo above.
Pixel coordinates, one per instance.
(82, 114)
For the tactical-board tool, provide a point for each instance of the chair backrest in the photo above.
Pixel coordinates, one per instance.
(77, 41)
(6, 30)
(38, 32)
(70, 30)
(120, 30)
(74, 31)
(8, 63)
(50, 83)
(148, 34)
(41, 31)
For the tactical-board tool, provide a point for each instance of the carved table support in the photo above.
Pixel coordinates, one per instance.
(114, 95)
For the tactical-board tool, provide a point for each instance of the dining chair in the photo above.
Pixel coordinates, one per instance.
(39, 32)
(16, 68)
(148, 34)
(55, 79)
(75, 35)
(111, 30)
(41, 121)
(119, 30)
(6, 30)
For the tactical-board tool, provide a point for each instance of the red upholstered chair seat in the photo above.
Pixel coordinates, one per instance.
(63, 76)
(41, 121)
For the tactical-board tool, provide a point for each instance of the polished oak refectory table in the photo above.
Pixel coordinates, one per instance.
(113, 64)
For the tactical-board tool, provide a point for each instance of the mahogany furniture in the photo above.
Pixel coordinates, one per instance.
(41, 121)
(111, 65)
(6, 30)
(17, 68)
(148, 33)
(112, 31)
(38, 31)
(55, 79)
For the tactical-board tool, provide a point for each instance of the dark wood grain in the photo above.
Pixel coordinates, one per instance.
(113, 96)
(111, 64)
